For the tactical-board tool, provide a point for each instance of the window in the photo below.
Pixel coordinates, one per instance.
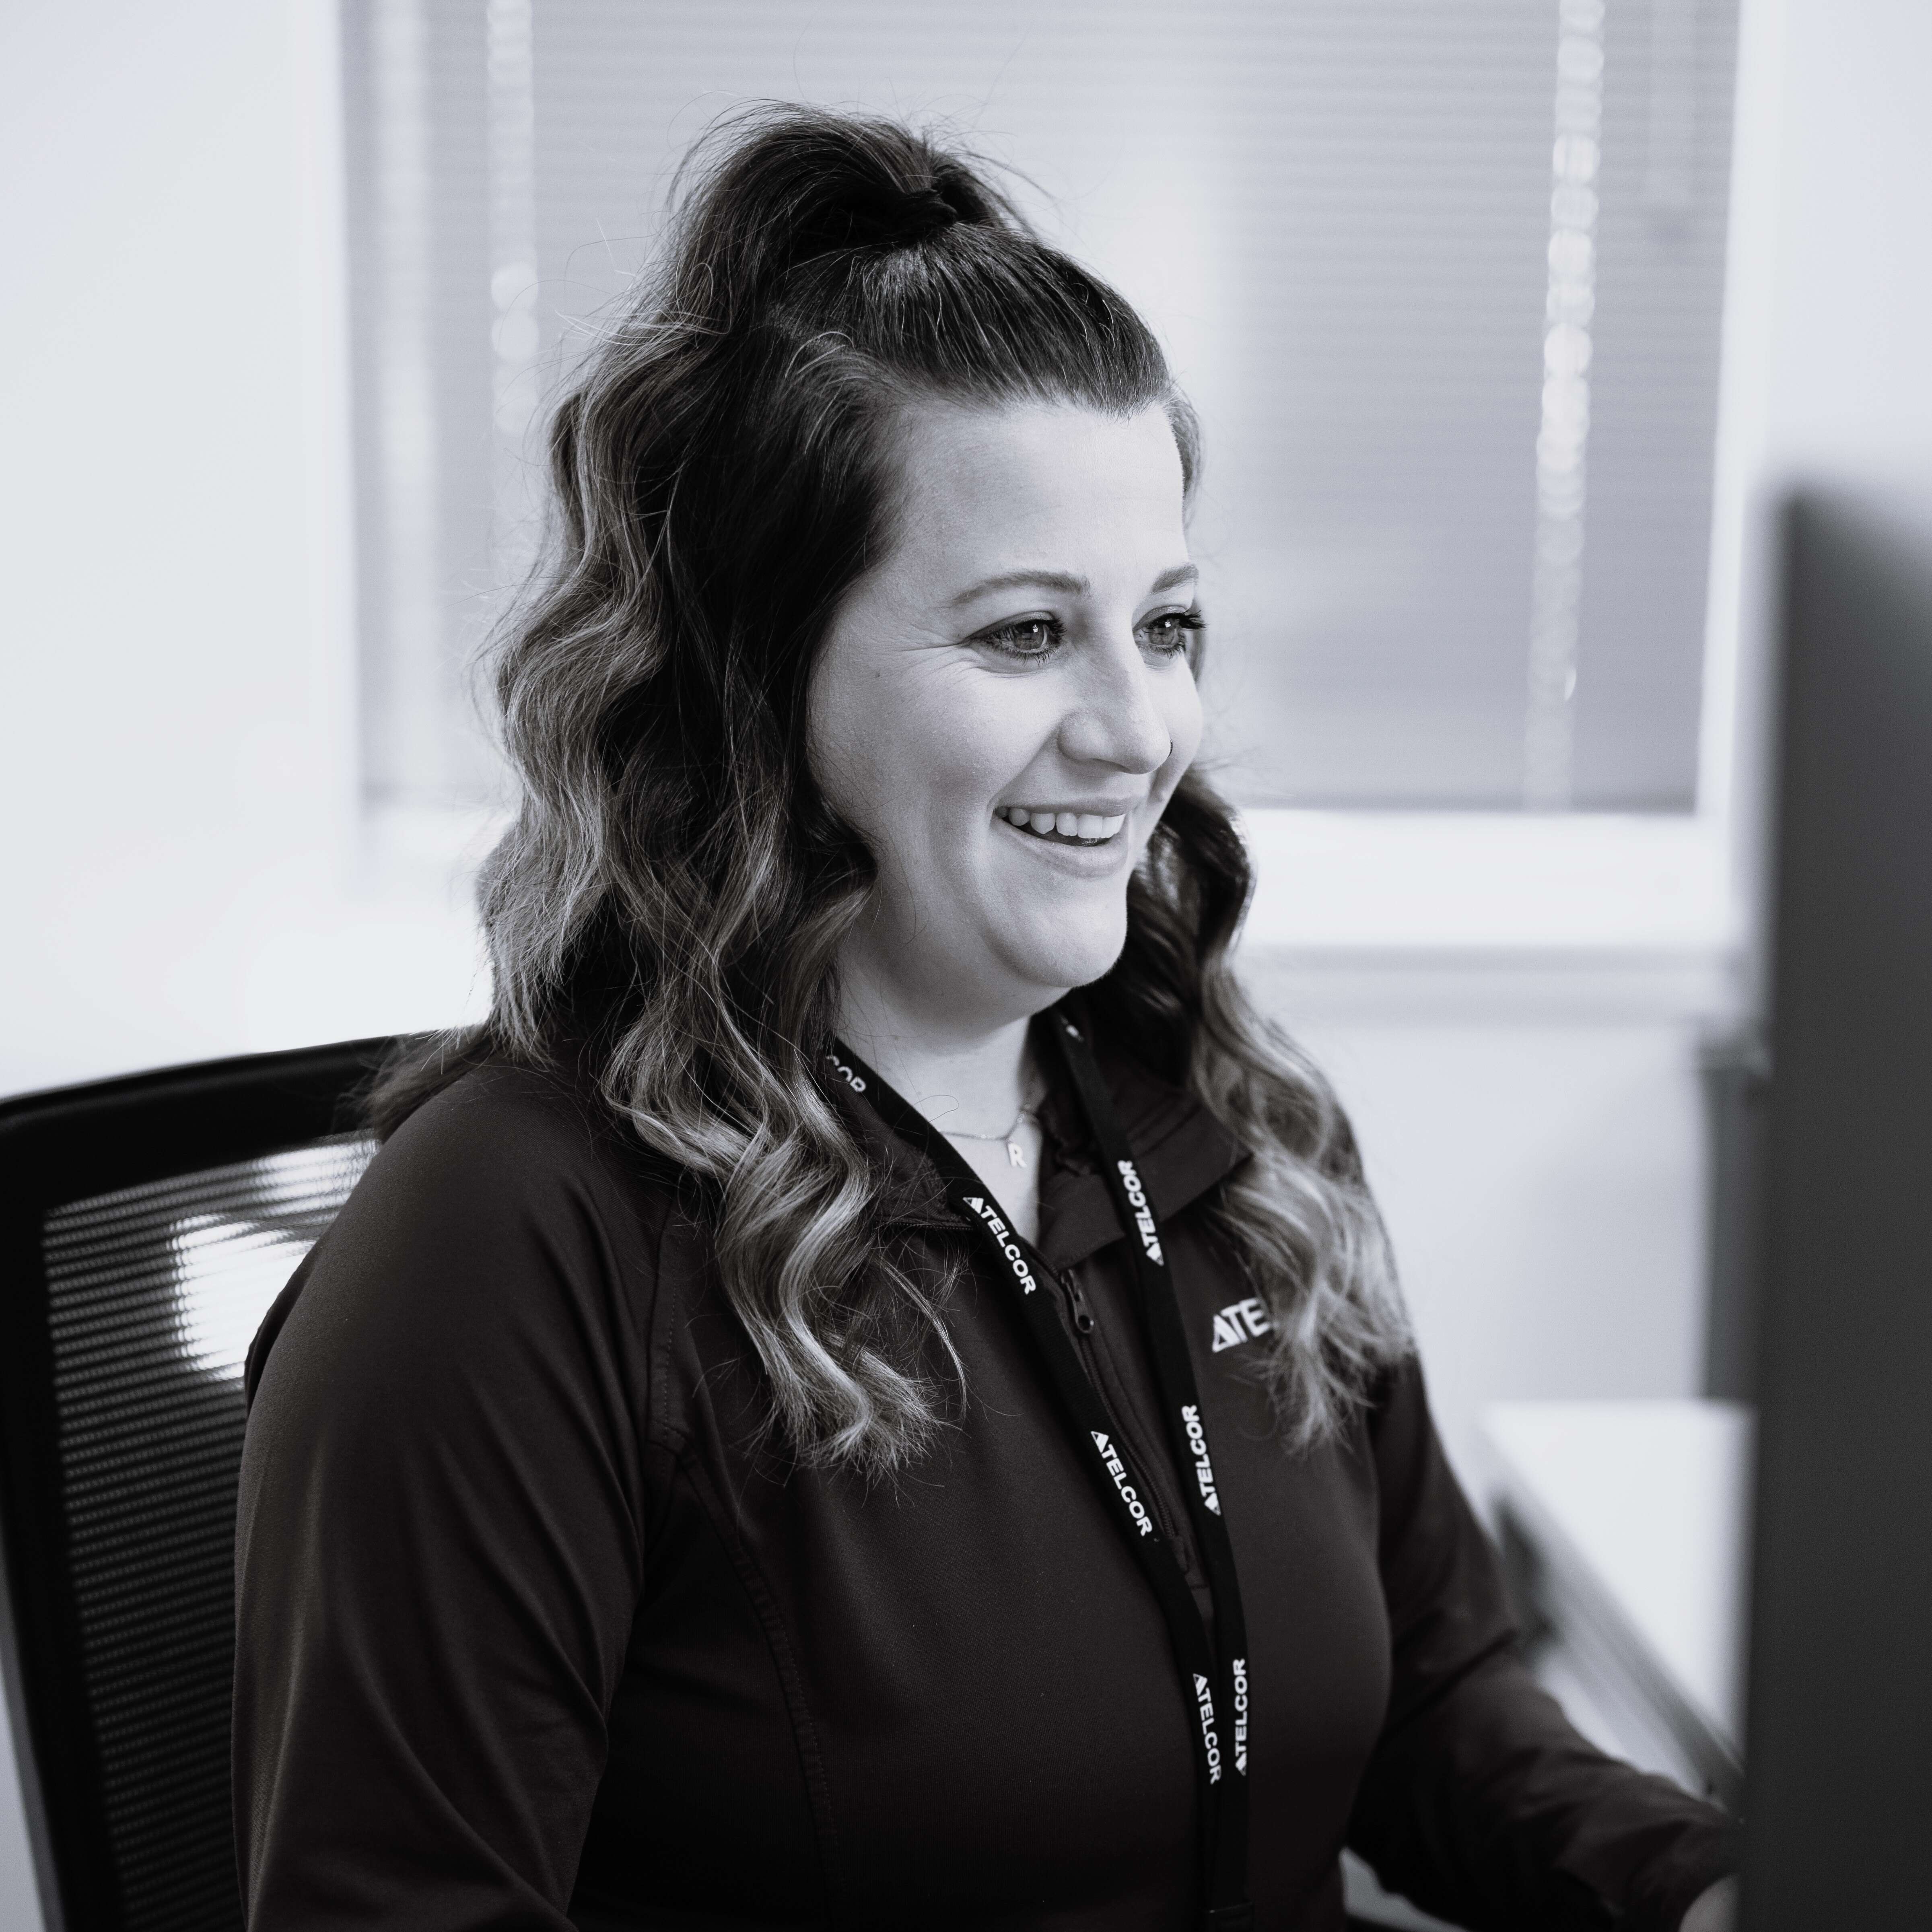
(1443, 281)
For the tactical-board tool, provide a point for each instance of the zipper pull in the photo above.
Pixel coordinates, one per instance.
(1083, 1315)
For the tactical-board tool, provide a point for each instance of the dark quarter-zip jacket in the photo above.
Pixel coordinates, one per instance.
(538, 1625)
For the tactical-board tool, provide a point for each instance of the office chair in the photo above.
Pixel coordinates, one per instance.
(146, 1225)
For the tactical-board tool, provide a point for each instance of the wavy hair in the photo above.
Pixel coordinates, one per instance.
(668, 906)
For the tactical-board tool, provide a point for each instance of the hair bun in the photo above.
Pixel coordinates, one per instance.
(774, 187)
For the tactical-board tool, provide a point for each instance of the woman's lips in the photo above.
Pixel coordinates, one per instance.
(1093, 860)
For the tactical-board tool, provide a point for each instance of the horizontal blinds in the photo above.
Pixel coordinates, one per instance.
(1339, 215)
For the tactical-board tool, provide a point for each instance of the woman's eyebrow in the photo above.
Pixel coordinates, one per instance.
(1021, 579)
(1067, 582)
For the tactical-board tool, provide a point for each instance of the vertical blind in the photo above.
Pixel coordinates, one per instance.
(1442, 276)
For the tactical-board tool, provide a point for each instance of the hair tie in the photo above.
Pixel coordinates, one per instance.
(896, 220)
(926, 213)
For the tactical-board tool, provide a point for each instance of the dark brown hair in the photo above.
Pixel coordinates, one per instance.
(668, 904)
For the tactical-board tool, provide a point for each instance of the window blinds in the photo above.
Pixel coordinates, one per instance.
(1443, 280)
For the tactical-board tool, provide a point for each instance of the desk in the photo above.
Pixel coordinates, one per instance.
(1625, 1526)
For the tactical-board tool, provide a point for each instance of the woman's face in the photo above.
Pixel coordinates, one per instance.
(1019, 661)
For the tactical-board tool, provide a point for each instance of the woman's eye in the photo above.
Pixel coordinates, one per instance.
(1025, 637)
(1172, 631)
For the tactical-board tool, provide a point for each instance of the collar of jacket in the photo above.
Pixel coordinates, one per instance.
(1180, 1148)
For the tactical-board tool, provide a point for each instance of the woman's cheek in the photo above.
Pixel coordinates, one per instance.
(1185, 722)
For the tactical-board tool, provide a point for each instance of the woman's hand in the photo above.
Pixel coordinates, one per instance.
(1713, 1911)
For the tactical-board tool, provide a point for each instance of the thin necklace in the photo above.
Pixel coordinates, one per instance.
(1016, 1154)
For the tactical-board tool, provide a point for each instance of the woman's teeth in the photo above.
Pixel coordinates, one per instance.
(1088, 828)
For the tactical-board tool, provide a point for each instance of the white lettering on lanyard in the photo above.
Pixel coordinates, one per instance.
(1240, 1669)
(1001, 1233)
(853, 1080)
(1110, 1456)
(1209, 1743)
(1197, 1440)
(1143, 1216)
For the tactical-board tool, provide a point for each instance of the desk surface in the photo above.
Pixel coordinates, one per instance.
(1646, 1505)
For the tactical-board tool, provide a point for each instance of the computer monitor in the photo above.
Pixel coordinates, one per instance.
(1838, 1815)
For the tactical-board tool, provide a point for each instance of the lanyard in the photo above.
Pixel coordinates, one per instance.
(1214, 1673)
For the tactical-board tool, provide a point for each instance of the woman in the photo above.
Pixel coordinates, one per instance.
(872, 1390)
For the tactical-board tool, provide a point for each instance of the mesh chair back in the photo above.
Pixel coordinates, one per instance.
(146, 1225)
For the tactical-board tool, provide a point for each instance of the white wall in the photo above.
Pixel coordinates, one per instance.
(1848, 387)
(182, 875)
(1533, 1132)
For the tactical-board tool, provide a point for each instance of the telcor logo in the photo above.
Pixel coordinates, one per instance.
(1144, 1221)
(1197, 1442)
(1209, 1744)
(1001, 1233)
(1115, 1468)
(1239, 1322)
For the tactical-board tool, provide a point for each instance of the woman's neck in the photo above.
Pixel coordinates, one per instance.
(969, 1075)
(972, 1079)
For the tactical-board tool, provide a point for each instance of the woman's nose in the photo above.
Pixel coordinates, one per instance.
(1118, 719)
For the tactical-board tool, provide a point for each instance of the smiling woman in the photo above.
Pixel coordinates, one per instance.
(872, 1390)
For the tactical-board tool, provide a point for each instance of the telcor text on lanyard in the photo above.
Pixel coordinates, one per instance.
(1214, 1671)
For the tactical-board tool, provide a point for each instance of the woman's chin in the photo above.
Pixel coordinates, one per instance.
(1074, 954)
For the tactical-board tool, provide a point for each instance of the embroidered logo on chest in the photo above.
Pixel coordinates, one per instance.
(1239, 1322)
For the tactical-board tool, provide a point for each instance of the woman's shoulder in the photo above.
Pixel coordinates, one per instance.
(511, 1200)
(506, 1139)
(521, 1154)
(506, 1117)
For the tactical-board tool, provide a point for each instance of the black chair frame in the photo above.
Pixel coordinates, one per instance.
(57, 1148)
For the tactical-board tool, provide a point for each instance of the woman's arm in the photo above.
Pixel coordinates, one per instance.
(439, 1541)
(1480, 1802)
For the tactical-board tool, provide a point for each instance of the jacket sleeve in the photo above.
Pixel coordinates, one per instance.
(1480, 1803)
(439, 1541)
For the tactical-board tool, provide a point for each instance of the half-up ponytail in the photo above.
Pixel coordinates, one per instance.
(669, 904)
(807, 184)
